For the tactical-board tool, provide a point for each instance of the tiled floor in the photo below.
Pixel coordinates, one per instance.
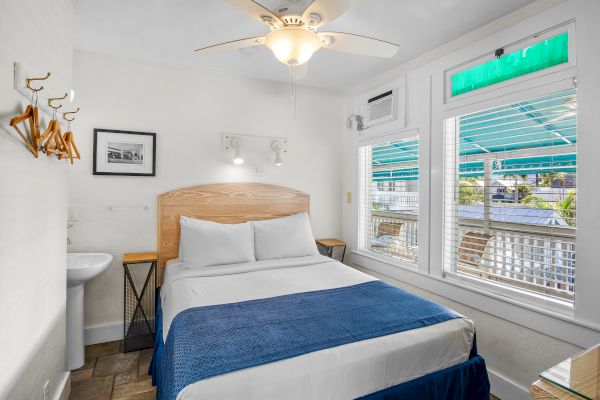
(109, 374)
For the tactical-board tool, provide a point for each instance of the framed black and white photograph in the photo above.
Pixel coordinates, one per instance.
(124, 153)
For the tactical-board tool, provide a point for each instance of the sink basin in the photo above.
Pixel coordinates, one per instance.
(81, 267)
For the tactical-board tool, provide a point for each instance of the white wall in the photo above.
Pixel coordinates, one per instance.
(513, 352)
(33, 201)
(188, 108)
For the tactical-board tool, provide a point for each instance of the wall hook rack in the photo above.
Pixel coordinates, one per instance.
(52, 141)
(24, 84)
(29, 80)
(70, 112)
(51, 99)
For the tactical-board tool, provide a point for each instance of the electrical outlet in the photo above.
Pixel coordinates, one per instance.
(72, 213)
(47, 390)
(255, 169)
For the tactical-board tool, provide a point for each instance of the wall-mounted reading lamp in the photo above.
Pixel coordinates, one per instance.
(236, 145)
(359, 122)
(277, 147)
(257, 149)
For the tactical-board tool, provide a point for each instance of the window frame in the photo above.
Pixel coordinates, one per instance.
(529, 90)
(374, 140)
(568, 27)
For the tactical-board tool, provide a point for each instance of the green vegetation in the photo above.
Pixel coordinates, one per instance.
(536, 202)
(471, 193)
(379, 206)
(567, 208)
(467, 192)
(546, 179)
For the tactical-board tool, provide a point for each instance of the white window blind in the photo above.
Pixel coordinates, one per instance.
(510, 194)
(389, 207)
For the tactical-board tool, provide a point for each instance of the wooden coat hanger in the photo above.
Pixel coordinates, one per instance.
(55, 143)
(31, 114)
(69, 139)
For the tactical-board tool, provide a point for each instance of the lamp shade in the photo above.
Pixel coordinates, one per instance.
(278, 160)
(293, 45)
(237, 156)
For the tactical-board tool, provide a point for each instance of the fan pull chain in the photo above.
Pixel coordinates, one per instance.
(293, 96)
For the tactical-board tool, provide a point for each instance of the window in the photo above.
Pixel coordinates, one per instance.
(510, 194)
(389, 207)
(541, 55)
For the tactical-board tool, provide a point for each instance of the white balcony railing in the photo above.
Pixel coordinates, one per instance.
(393, 233)
(532, 257)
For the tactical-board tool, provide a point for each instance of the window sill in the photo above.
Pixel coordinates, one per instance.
(395, 261)
(536, 301)
(553, 321)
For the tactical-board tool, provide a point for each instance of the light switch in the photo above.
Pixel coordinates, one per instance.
(349, 197)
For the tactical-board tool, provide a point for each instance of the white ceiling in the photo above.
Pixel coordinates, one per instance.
(168, 31)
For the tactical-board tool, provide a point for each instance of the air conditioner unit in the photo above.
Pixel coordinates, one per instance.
(381, 108)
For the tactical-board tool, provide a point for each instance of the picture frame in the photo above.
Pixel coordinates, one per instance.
(125, 153)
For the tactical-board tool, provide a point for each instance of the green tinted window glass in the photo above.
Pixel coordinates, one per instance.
(550, 52)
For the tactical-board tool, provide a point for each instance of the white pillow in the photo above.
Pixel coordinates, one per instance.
(284, 238)
(205, 243)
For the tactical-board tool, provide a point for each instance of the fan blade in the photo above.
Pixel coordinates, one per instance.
(299, 72)
(233, 45)
(255, 10)
(327, 10)
(356, 44)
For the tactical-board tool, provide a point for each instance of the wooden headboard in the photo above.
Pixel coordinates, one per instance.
(226, 203)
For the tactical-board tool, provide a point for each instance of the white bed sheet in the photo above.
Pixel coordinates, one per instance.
(343, 372)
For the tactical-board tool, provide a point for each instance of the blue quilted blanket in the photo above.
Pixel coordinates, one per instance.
(207, 341)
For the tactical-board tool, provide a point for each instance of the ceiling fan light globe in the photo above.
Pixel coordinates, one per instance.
(293, 45)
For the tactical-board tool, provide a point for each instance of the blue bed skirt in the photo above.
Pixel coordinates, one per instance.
(466, 381)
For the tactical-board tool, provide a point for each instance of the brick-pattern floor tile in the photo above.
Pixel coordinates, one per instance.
(109, 374)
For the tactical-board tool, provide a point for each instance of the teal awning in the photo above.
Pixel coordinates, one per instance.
(406, 174)
(396, 161)
(545, 122)
(523, 166)
(538, 136)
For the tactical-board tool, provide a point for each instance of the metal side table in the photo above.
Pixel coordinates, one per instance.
(332, 248)
(139, 286)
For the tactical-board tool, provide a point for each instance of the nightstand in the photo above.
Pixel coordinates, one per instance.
(332, 248)
(139, 287)
(575, 378)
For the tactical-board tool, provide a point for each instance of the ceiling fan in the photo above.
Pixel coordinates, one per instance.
(294, 36)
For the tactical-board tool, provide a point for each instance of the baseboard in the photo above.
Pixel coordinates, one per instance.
(103, 333)
(64, 387)
(505, 389)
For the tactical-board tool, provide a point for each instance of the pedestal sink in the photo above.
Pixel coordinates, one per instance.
(81, 267)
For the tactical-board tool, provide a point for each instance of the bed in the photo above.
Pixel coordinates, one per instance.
(302, 327)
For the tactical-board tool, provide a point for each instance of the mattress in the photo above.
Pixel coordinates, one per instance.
(342, 372)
